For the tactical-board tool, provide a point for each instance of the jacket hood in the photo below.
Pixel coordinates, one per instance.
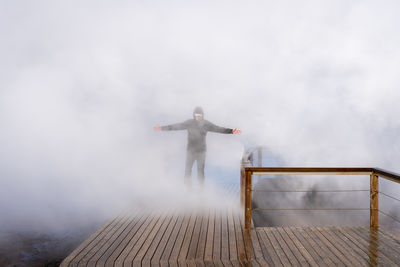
(198, 110)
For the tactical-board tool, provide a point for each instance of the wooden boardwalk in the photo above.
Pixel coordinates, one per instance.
(215, 237)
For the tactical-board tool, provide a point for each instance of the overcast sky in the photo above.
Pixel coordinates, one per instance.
(82, 83)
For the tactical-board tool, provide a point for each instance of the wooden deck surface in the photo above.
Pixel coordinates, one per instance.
(216, 238)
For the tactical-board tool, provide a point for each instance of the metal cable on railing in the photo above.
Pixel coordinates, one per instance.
(247, 172)
(390, 216)
(389, 196)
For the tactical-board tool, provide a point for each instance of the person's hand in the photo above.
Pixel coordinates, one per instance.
(236, 131)
(157, 128)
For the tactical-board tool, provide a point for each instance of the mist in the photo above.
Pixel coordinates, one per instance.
(83, 84)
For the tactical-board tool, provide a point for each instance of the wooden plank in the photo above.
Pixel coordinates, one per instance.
(384, 238)
(307, 245)
(395, 235)
(291, 245)
(261, 254)
(173, 258)
(371, 247)
(296, 243)
(372, 251)
(324, 251)
(104, 238)
(137, 240)
(284, 246)
(191, 255)
(315, 246)
(208, 251)
(241, 251)
(331, 247)
(113, 238)
(131, 232)
(361, 255)
(171, 241)
(202, 240)
(145, 256)
(374, 240)
(217, 239)
(277, 248)
(344, 248)
(93, 243)
(224, 239)
(132, 220)
(367, 254)
(186, 241)
(233, 253)
(190, 263)
(136, 255)
(156, 260)
(246, 238)
(345, 257)
(255, 263)
(86, 243)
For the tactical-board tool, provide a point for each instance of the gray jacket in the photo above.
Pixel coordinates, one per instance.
(197, 132)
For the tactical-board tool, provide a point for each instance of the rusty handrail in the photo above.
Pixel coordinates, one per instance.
(247, 173)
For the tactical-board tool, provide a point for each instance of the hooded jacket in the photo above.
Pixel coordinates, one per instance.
(197, 131)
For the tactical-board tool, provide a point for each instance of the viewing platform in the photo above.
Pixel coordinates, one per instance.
(218, 238)
(226, 236)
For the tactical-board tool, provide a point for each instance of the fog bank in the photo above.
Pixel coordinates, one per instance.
(83, 83)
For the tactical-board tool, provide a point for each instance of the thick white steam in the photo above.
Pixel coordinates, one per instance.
(82, 83)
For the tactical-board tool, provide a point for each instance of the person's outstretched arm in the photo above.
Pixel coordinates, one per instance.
(172, 127)
(218, 129)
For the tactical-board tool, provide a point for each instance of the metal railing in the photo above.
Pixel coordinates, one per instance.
(247, 171)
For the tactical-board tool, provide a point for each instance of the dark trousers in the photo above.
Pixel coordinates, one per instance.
(191, 157)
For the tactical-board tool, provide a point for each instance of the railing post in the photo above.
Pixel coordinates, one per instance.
(247, 202)
(259, 160)
(259, 156)
(373, 204)
(242, 186)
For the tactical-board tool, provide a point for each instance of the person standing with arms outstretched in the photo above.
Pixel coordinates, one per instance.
(196, 148)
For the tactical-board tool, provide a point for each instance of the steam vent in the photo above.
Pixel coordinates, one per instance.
(309, 224)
